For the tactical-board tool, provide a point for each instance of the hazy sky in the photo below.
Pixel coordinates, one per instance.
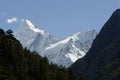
(60, 18)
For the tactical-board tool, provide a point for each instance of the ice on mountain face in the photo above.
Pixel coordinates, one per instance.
(33, 38)
(67, 51)
(64, 52)
(26, 33)
(84, 39)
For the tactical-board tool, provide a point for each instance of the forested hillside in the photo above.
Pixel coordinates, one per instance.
(17, 63)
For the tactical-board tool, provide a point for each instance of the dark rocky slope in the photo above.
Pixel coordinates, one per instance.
(102, 61)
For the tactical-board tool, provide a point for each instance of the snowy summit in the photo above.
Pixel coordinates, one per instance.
(61, 52)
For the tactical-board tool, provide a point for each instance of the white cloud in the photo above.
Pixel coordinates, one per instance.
(11, 20)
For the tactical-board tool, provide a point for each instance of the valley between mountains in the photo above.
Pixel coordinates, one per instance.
(33, 54)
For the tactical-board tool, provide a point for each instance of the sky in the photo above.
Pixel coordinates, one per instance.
(60, 18)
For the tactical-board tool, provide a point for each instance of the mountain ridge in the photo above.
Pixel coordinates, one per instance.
(43, 43)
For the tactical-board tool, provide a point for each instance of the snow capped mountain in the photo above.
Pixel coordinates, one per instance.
(67, 51)
(33, 38)
(62, 52)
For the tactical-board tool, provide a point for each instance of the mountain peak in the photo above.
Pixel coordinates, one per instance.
(67, 51)
(29, 23)
(61, 52)
(84, 36)
(33, 38)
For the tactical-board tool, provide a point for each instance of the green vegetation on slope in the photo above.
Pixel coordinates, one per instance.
(17, 63)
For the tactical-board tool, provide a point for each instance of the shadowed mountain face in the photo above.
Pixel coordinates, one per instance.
(102, 61)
